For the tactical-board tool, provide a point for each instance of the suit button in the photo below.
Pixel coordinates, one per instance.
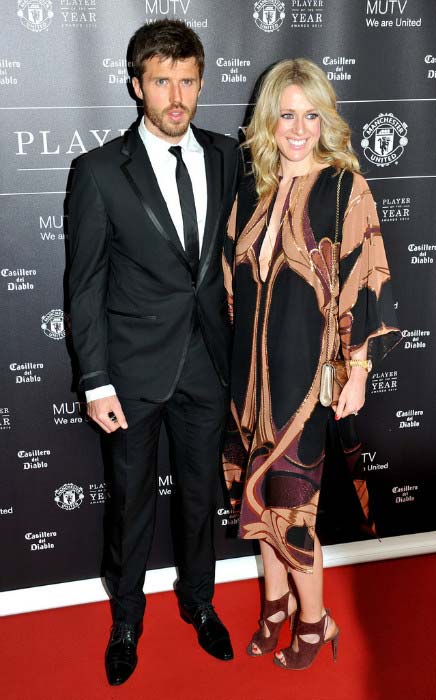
(192, 283)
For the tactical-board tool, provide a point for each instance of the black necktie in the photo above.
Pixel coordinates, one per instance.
(189, 214)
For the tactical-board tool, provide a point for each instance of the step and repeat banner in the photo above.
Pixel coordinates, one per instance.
(64, 90)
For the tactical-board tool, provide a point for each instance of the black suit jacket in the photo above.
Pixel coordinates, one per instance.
(133, 299)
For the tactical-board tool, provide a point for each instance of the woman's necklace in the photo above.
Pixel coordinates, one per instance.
(289, 210)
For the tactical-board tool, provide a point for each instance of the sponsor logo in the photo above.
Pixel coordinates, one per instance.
(416, 340)
(117, 70)
(371, 465)
(7, 511)
(337, 67)
(176, 8)
(166, 485)
(35, 15)
(55, 324)
(384, 139)
(229, 516)
(8, 71)
(409, 419)
(428, 60)
(78, 14)
(51, 227)
(307, 14)
(269, 14)
(167, 7)
(5, 418)
(18, 280)
(389, 13)
(383, 382)
(98, 493)
(68, 412)
(421, 253)
(69, 496)
(395, 209)
(33, 459)
(40, 540)
(231, 67)
(404, 494)
(25, 373)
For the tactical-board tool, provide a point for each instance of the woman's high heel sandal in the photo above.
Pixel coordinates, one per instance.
(266, 637)
(310, 637)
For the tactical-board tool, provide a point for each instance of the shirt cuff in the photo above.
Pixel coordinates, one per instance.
(101, 392)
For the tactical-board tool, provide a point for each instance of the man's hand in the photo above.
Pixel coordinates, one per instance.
(107, 413)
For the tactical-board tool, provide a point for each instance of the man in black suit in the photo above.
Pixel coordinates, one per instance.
(150, 326)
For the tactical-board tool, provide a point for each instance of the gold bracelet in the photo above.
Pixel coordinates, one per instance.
(366, 364)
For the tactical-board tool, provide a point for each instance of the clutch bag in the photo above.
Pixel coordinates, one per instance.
(333, 379)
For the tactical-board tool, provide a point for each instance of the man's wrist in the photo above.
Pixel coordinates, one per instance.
(100, 392)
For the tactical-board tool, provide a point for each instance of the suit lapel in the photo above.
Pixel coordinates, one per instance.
(141, 178)
(213, 159)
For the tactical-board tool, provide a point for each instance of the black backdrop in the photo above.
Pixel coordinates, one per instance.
(63, 91)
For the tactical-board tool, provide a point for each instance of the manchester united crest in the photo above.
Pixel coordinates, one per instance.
(269, 14)
(55, 324)
(35, 15)
(69, 496)
(384, 139)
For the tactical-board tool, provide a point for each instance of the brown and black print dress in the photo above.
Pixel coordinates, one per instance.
(280, 325)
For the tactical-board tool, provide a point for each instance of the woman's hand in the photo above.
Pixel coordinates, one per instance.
(352, 396)
(230, 307)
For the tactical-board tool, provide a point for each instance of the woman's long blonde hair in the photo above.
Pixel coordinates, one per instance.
(334, 145)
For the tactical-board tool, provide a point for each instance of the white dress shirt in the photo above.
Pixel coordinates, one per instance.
(164, 167)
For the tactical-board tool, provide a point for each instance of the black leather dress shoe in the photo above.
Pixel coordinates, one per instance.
(121, 657)
(212, 635)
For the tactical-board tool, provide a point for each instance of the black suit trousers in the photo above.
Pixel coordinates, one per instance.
(194, 416)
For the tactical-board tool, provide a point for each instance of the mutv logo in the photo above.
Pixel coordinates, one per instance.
(68, 412)
(166, 7)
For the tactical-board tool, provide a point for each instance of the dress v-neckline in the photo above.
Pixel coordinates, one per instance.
(266, 236)
(282, 218)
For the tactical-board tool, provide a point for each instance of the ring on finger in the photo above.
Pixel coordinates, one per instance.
(112, 417)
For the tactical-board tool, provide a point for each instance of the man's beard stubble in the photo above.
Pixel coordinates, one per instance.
(157, 119)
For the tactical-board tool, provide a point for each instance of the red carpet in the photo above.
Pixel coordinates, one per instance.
(387, 649)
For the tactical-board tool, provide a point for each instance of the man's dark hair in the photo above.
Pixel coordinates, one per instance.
(167, 38)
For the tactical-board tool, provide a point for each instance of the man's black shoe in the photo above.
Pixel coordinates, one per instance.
(212, 635)
(121, 657)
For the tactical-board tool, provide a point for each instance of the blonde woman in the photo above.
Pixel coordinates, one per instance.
(279, 265)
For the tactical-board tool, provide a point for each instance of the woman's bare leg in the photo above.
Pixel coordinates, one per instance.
(276, 583)
(310, 594)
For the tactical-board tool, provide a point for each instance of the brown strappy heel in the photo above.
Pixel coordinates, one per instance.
(308, 650)
(266, 637)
